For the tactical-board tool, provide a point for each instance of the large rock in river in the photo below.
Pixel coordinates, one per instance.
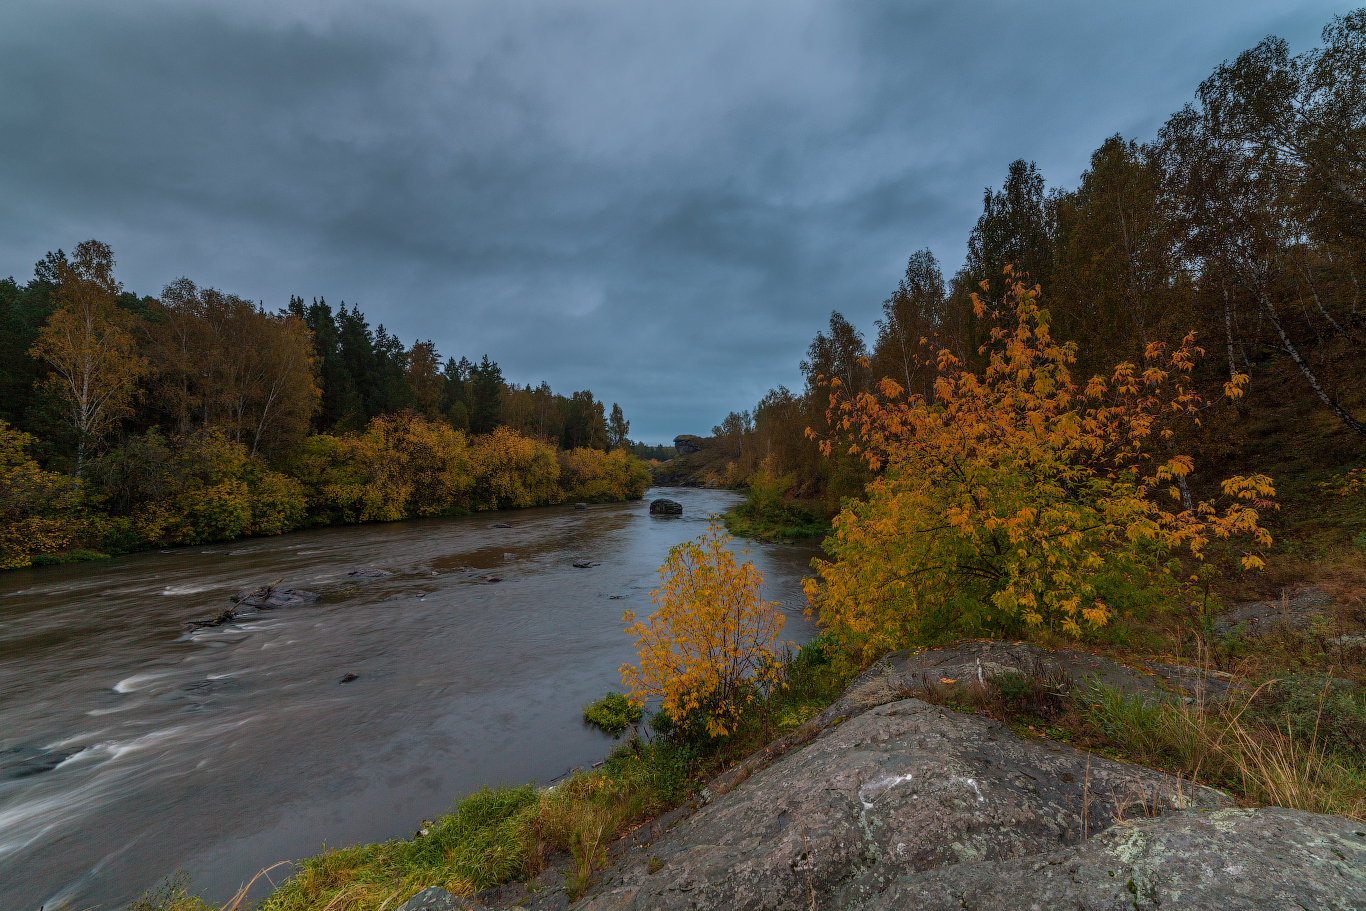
(665, 507)
(268, 597)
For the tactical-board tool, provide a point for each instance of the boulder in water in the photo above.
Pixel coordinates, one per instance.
(580, 505)
(665, 507)
(268, 597)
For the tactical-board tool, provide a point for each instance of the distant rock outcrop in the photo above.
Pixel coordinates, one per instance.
(686, 444)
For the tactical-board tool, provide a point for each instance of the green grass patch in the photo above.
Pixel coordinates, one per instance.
(76, 555)
(1289, 743)
(612, 713)
(767, 515)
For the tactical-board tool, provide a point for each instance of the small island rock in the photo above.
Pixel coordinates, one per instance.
(268, 597)
(665, 507)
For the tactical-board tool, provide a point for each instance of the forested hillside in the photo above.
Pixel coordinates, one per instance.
(1243, 220)
(195, 416)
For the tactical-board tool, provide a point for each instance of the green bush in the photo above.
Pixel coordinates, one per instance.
(613, 713)
(768, 515)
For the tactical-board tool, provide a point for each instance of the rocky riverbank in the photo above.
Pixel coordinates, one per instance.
(883, 801)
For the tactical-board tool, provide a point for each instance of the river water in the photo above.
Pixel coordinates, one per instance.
(131, 747)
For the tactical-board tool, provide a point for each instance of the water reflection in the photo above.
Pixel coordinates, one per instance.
(130, 747)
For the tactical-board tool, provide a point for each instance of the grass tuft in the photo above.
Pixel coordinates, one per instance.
(612, 713)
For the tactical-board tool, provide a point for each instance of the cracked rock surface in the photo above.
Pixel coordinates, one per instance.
(964, 660)
(1233, 860)
(895, 792)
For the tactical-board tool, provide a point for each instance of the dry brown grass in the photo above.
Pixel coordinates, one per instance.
(1225, 744)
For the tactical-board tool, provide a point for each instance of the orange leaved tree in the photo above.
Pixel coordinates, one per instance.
(1009, 499)
(712, 641)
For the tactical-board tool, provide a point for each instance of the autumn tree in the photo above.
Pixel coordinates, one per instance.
(1118, 282)
(224, 362)
(840, 358)
(732, 432)
(780, 441)
(282, 397)
(90, 345)
(711, 644)
(39, 510)
(585, 423)
(1267, 155)
(1015, 498)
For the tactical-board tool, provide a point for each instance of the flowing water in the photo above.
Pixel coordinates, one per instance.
(131, 746)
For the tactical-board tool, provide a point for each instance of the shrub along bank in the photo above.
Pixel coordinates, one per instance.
(155, 492)
(769, 515)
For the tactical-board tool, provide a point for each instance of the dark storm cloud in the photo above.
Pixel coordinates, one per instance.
(660, 204)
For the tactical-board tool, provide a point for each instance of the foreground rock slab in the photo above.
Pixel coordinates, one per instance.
(1298, 610)
(901, 789)
(1231, 860)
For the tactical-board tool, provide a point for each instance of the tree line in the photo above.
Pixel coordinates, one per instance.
(198, 415)
(1244, 219)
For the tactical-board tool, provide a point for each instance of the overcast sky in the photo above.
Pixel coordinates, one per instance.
(658, 202)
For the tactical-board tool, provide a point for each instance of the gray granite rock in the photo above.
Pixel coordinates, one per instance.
(1228, 860)
(433, 899)
(665, 507)
(1296, 610)
(974, 660)
(902, 788)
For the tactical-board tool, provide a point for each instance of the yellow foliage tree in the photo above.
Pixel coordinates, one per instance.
(594, 475)
(513, 470)
(1008, 499)
(712, 639)
(425, 463)
(88, 342)
(39, 512)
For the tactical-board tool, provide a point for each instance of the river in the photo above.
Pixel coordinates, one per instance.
(132, 747)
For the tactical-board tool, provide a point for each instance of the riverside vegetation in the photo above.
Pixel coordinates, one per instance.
(1016, 555)
(1049, 459)
(194, 417)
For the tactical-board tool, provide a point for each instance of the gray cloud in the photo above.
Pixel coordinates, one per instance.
(659, 204)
